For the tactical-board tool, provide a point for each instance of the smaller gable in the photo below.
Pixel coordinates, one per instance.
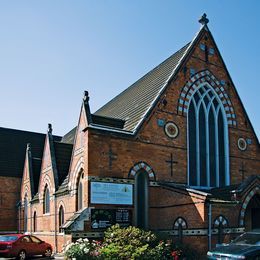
(31, 174)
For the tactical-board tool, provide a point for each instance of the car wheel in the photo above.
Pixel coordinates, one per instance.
(21, 255)
(48, 252)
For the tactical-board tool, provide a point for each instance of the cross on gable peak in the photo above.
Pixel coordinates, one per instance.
(203, 19)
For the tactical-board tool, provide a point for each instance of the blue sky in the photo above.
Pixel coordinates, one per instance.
(51, 51)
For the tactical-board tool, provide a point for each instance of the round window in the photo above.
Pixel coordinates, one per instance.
(242, 144)
(171, 130)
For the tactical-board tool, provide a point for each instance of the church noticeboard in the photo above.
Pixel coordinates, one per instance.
(104, 218)
(111, 193)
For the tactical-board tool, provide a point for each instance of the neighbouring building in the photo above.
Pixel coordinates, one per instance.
(175, 153)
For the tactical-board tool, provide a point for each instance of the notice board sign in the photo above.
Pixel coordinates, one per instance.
(104, 218)
(111, 193)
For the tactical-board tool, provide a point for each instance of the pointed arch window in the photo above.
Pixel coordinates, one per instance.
(179, 225)
(61, 218)
(79, 203)
(25, 213)
(46, 200)
(208, 162)
(34, 221)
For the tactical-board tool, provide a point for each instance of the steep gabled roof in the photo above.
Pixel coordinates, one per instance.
(36, 170)
(70, 136)
(63, 155)
(13, 148)
(133, 103)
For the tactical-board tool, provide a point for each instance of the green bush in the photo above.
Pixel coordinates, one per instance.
(132, 243)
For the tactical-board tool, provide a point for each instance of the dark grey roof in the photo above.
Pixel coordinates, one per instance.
(36, 170)
(64, 186)
(63, 155)
(69, 137)
(13, 144)
(133, 103)
(13, 149)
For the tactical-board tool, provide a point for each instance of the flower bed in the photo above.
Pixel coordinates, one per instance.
(127, 243)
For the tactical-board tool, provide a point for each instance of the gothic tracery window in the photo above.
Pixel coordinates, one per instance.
(207, 139)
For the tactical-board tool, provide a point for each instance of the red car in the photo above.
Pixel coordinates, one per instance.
(22, 246)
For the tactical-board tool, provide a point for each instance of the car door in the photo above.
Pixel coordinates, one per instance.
(37, 245)
(27, 245)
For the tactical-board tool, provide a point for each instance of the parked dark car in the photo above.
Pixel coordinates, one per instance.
(23, 246)
(246, 246)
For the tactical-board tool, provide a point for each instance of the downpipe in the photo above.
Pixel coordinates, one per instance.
(55, 224)
(209, 225)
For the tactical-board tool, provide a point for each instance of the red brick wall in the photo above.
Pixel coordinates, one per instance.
(9, 197)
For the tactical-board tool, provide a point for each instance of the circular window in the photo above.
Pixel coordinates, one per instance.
(171, 130)
(242, 144)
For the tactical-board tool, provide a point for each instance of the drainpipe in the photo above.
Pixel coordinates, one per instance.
(55, 224)
(31, 217)
(19, 217)
(209, 225)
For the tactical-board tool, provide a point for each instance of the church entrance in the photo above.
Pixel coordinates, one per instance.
(141, 199)
(252, 215)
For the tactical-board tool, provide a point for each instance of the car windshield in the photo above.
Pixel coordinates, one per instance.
(8, 238)
(248, 239)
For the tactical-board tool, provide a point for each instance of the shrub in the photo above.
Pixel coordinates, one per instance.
(131, 243)
(82, 249)
(128, 243)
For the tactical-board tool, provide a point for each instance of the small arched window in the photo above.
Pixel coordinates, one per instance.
(79, 203)
(34, 222)
(25, 213)
(61, 218)
(46, 200)
(179, 225)
(220, 223)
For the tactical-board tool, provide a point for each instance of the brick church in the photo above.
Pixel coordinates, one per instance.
(174, 153)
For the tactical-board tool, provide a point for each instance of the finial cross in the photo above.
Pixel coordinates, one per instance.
(203, 19)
